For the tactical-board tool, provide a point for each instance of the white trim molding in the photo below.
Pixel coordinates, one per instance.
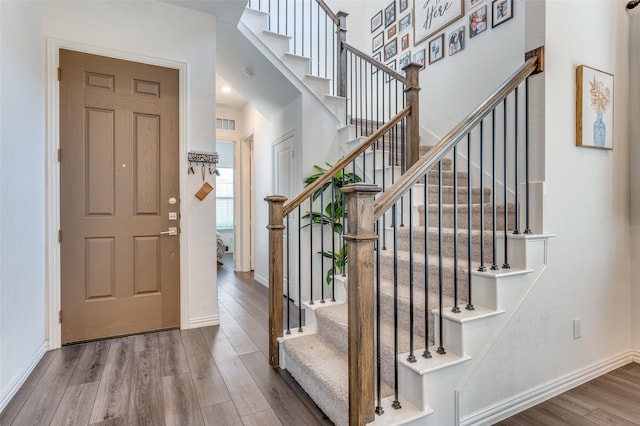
(207, 321)
(538, 394)
(16, 383)
(52, 176)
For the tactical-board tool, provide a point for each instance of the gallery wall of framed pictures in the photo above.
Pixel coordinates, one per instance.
(425, 32)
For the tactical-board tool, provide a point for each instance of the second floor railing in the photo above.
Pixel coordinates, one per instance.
(315, 31)
(373, 91)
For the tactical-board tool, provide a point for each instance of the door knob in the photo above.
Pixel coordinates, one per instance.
(173, 230)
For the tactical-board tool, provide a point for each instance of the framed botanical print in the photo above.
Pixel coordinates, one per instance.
(594, 108)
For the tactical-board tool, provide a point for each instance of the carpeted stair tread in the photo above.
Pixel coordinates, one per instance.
(463, 209)
(448, 193)
(387, 302)
(322, 371)
(448, 235)
(333, 327)
(403, 262)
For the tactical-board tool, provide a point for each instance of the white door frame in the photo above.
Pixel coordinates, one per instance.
(52, 177)
(244, 204)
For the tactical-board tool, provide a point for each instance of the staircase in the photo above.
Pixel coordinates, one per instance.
(317, 358)
(446, 287)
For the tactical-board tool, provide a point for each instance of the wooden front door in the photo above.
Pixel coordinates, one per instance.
(119, 190)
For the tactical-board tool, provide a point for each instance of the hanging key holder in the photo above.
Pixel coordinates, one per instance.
(206, 187)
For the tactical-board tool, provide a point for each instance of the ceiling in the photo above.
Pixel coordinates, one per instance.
(228, 100)
(240, 64)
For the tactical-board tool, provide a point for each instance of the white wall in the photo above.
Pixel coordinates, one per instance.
(634, 158)
(22, 237)
(588, 273)
(154, 30)
(452, 86)
(266, 132)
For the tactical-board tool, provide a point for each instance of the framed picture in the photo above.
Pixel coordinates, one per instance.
(390, 14)
(404, 60)
(594, 108)
(433, 16)
(376, 21)
(456, 41)
(391, 65)
(392, 31)
(376, 57)
(501, 11)
(377, 41)
(436, 49)
(404, 23)
(475, 2)
(478, 21)
(404, 4)
(404, 42)
(390, 49)
(418, 58)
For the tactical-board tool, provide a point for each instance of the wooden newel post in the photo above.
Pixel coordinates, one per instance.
(276, 277)
(413, 120)
(360, 245)
(341, 69)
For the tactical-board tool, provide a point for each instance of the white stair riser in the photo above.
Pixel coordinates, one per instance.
(277, 43)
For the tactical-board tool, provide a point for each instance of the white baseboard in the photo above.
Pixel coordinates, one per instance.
(204, 321)
(262, 280)
(635, 356)
(536, 395)
(15, 385)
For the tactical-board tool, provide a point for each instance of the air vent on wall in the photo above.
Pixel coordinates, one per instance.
(225, 124)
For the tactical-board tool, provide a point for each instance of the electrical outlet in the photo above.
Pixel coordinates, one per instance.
(577, 328)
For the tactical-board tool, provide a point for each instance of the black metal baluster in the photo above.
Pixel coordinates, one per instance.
(482, 268)
(494, 263)
(427, 311)
(333, 237)
(456, 308)
(299, 272)
(311, 277)
(505, 265)
(440, 349)
(412, 357)
(469, 306)
(379, 409)
(288, 277)
(318, 38)
(516, 183)
(321, 247)
(302, 30)
(396, 402)
(343, 203)
(527, 229)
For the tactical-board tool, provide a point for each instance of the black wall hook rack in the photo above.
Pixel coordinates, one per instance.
(203, 157)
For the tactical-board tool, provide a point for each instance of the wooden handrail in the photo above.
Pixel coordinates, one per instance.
(375, 63)
(420, 168)
(329, 12)
(329, 174)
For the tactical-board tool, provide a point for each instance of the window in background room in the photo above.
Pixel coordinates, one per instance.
(225, 192)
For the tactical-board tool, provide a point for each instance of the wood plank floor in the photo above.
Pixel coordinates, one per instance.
(220, 376)
(209, 376)
(611, 399)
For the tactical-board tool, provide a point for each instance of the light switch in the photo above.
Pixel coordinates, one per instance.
(173, 216)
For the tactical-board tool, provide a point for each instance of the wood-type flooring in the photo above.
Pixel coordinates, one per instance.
(611, 399)
(208, 376)
(220, 376)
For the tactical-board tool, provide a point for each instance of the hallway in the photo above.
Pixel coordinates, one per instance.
(208, 376)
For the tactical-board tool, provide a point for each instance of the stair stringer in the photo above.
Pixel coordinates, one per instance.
(280, 57)
(434, 384)
(534, 254)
